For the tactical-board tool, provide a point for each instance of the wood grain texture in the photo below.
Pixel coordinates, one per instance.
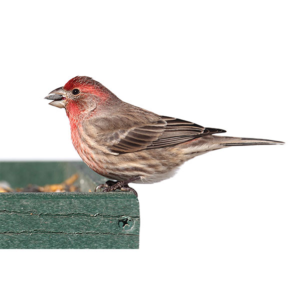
(68, 220)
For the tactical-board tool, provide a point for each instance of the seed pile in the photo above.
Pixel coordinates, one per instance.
(66, 186)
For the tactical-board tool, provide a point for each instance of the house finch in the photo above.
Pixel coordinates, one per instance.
(130, 144)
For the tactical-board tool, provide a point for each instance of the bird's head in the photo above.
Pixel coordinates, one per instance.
(80, 95)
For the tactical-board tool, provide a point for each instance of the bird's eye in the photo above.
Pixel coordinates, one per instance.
(75, 92)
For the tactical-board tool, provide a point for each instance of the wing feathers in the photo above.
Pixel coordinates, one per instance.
(165, 132)
(139, 138)
(162, 132)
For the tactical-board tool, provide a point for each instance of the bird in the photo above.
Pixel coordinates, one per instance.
(126, 143)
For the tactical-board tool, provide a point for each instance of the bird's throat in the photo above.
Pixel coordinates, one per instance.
(73, 110)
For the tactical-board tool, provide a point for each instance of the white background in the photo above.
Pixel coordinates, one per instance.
(227, 225)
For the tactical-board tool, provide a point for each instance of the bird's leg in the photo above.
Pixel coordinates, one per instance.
(108, 183)
(122, 185)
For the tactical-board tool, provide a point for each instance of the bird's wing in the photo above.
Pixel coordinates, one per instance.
(163, 132)
(179, 131)
(138, 138)
(117, 133)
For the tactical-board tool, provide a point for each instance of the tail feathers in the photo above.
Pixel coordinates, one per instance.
(228, 141)
(214, 142)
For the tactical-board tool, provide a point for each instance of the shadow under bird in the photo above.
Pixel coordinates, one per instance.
(129, 144)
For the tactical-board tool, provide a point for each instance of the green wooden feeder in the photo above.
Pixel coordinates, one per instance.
(64, 220)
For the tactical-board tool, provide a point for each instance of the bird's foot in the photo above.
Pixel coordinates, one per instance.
(111, 186)
(120, 185)
(101, 187)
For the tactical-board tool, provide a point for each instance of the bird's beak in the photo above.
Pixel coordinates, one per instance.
(59, 96)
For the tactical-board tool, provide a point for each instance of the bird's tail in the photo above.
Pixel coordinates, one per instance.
(228, 141)
(214, 142)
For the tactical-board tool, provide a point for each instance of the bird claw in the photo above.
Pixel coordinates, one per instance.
(111, 186)
(100, 187)
(118, 186)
